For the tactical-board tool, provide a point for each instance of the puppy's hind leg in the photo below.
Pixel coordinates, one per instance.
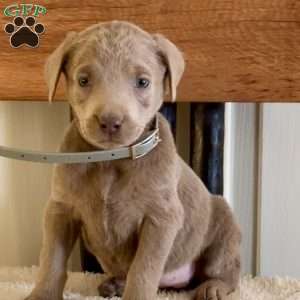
(219, 266)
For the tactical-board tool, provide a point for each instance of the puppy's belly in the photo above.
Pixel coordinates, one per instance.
(179, 278)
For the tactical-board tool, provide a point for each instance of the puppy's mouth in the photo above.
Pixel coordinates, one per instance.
(108, 144)
(111, 143)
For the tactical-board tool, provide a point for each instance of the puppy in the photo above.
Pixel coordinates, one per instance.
(150, 222)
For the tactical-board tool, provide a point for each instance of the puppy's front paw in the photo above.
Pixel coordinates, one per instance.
(111, 287)
(212, 290)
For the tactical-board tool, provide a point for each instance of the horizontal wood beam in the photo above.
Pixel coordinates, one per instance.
(236, 50)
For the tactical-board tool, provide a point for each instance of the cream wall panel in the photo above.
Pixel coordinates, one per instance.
(240, 173)
(25, 186)
(262, 184)
(280, 190)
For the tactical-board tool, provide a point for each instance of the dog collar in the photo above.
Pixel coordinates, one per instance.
(134, 151)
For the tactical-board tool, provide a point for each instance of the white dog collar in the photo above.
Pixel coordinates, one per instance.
(135, 151)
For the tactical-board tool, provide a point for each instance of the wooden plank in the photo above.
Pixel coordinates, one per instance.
(236, 50)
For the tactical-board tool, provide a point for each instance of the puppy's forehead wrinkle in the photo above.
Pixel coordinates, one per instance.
(115, 44)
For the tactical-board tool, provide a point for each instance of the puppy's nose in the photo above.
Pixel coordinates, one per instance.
(110, 123)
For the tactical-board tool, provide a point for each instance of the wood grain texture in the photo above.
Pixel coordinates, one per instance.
(236, 50)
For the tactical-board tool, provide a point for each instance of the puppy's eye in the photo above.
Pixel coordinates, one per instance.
(83, 81)
(142, 83)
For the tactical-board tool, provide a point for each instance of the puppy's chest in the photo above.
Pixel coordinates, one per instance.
(111, 213)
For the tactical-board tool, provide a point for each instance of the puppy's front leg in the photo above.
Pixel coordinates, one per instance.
(155, 242)
(60, 233)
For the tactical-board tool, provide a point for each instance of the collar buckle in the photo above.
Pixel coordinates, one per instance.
(134, 154)
(152, 141)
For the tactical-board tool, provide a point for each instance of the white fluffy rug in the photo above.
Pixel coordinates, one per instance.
(16, 283)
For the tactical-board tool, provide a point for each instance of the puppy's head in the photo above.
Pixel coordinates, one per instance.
(117, 76)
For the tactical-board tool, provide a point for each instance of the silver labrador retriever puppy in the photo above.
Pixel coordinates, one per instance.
(150, 222)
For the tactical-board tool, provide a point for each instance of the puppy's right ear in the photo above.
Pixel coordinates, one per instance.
(55, 64)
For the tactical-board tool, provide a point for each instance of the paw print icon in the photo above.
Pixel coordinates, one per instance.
(24, 32)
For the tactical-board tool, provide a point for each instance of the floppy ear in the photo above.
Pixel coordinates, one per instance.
(55, 64)
(174, 61)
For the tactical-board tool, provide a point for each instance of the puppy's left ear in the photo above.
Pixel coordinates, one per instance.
(55, 62)
(173, 60)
